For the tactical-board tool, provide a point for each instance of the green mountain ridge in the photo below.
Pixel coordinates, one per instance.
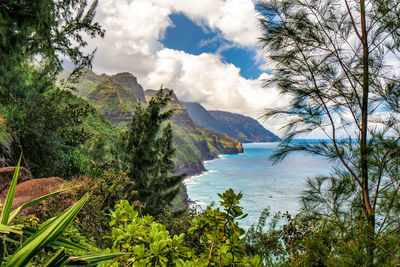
(242, 128)
(116, 96)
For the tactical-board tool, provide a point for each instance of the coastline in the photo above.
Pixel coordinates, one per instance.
(195, 176)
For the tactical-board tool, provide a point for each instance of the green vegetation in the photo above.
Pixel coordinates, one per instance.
(4, 135)
(47, 234)
(122, 174)
(195, 144)
(146, 150)
(46, 120)
(116, 97)
(219, 239)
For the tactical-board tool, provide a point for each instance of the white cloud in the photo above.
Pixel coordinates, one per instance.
(236, 19)
(132, 43)
(206, 79)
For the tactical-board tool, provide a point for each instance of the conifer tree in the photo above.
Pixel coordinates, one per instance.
(338, 61)
(34, 36)
(146, 150)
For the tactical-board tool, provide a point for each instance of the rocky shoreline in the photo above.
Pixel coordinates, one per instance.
(196, 170)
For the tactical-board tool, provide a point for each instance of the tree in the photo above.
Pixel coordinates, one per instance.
(146, 150)
(338, 61)
(49, 126)
(32, 31)
(34, 35)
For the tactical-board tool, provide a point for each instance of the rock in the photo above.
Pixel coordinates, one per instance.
(6, 175)
(190, 168)
(31, 189)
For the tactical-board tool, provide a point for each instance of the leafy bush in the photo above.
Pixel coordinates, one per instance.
(220, 239)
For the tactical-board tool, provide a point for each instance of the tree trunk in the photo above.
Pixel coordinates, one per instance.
(364, 134)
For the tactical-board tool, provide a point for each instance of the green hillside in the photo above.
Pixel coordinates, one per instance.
(116, 96)
(83, 85)
(112, 100)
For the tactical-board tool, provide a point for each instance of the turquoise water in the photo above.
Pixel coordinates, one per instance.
(261, 183)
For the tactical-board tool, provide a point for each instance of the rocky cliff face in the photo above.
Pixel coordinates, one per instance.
(113, 100)
(7, 153)
(129, 81)
(242, 128)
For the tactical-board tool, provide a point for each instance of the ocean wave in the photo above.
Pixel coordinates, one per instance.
(191, 180)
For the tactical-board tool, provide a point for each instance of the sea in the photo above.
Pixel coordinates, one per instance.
(262, 183)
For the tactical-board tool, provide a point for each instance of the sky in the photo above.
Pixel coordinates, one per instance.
(207, 51)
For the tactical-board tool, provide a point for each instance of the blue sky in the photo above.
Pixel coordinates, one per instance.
(187, 36)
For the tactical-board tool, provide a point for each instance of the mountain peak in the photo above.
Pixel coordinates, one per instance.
(128, 80)
(242, 128)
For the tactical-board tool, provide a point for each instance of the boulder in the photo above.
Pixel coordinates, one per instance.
(31, 189)
(6, 175)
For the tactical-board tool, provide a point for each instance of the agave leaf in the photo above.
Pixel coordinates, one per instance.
(31, 203)
(60, 242)
(45, 235)
(93, 259)
(59, 259)
(5, 213)
(6, 229)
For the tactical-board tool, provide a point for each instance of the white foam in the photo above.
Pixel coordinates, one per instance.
(190, 180)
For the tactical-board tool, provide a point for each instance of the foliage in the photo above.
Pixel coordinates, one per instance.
(49, 127)
(332, 60)
(33, 37)
(218, 234)
(4, 136)
(146, 150)
(46, 29)
(221, 238)
(36, 239)
(105, 189)
(266, 243)
(148, 240)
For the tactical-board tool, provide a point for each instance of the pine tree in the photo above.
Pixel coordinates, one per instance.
(338, 61)
(34, 36)
(146, 150)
